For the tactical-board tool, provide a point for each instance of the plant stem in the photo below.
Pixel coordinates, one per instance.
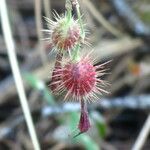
(68, 10)
(76, 53)
(38, 17)
(16, 73)
(80, 20)
(47, 8)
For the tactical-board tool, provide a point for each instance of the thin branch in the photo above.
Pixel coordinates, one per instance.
(143, 135)
(47, 8)
(38, 17)
(16, 72)
(130, 18)
(97, 15)
(21, 28)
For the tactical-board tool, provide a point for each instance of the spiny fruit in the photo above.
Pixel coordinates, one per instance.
(65, 32)
(80, 80)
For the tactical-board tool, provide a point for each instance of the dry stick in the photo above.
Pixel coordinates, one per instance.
(21, 28)
(38, 17)
(47, 8)
(143, 135)
(101, 19)
(16, 73)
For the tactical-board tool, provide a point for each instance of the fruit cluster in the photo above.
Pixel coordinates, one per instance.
(77, 77)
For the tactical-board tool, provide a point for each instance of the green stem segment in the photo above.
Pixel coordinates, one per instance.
(69, 9)
(69, 14)
(76, 53)
(69, 4)
(80, 20)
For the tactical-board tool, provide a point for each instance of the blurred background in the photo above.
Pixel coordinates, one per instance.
(119, 31)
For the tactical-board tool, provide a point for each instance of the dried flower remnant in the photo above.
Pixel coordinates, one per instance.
(84, 123)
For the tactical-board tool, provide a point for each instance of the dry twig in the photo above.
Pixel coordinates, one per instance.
(16, 72)
(143, 135)
(38, 16)
(99, 17)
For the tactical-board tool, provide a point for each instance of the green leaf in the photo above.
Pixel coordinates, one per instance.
(83, 139)
(32, 80)
(100, 123)
(48, 96)
(38, 84)
(87, 141)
